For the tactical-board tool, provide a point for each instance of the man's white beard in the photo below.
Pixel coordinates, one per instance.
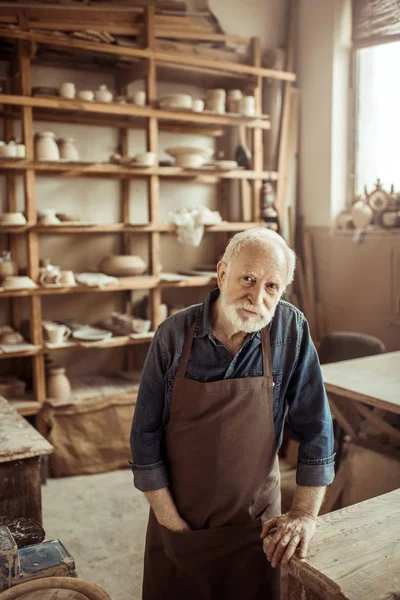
(250, 323)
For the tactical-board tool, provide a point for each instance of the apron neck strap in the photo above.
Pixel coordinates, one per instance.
(187, 346)
(266, 351)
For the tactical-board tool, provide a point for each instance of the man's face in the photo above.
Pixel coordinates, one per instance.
(251, 287)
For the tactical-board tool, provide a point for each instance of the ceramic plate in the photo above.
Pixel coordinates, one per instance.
(90, 334)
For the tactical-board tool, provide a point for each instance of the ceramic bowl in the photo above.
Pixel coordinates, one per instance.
(147, 159)
(12, 218)
(189, 157)
(122, 266)
(86, 95)
(11, 337)
(15, 282)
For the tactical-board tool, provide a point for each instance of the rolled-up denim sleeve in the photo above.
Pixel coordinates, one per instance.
(309, 415)
(148, 466)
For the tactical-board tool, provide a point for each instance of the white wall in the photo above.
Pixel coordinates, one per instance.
(323, 63)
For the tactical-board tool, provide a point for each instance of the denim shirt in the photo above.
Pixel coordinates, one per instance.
(298, 392)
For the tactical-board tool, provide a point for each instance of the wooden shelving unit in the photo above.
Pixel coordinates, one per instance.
(129, 63)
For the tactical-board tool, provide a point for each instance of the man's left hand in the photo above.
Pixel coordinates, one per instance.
(292, 532)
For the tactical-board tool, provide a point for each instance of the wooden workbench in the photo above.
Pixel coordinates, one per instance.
(364, 396)
(355, 554)
(20, 449)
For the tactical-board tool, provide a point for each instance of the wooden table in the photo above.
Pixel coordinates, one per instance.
(20, 449)
(355, 554)
(364, 391)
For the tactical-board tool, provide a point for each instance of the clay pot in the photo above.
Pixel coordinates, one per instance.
(68, 150)
(46, 146)
(8, 268)
(122, 266)
(58, 385)
(67, 90)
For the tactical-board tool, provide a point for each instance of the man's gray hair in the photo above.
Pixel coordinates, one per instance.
(264, 238)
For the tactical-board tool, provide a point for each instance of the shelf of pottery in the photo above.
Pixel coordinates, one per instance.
(37, 280)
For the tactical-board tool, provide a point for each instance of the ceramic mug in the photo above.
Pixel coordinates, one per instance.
(68, 90)
(139, 98)
(67, 278)
(248, 106)
(21, 151)
(57, 333)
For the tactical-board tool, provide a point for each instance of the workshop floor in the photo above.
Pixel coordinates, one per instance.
(101, 519)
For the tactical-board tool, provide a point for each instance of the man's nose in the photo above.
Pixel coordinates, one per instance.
(256, 295)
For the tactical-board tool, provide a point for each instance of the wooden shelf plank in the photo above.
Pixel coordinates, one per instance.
(107, 170)
(25, 407)
(146, 53)
(33, 352)
(115, 342)
(81, 108)
(191, 281)
(15, 228)
(148, 228)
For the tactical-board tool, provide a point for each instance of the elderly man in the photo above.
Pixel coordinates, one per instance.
(219, 379)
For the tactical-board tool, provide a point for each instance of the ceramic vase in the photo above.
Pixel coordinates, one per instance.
(103, 94)
(58, 385)
(46, 146)
(68, 150)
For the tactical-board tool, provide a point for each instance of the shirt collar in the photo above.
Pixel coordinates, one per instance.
(203, 325)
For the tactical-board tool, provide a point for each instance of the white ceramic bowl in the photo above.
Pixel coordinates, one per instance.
(190, 161)
(8, 151)
(122, 266)
(226, 165)
(177, 150)
(86, 95)
(15, 282)
(147, 159)
(12, 218)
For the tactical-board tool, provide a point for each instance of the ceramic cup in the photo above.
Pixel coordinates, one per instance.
(248, 106)
(86, 95)
(21, 151)
(198, 105)
(139, 98)
(67, 278)
(147, 159)
(67, 90)
(57, 333)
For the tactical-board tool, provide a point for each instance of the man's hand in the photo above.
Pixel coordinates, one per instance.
(292, 532)
(177, 524)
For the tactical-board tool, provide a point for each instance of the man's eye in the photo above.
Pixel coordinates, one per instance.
(247, 279)
(273, 286)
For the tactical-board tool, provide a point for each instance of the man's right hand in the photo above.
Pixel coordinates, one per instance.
(165, 510)
(177, 525)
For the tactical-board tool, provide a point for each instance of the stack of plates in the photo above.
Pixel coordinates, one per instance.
(176, 101)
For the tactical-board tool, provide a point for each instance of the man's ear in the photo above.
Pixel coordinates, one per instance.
(221, 272)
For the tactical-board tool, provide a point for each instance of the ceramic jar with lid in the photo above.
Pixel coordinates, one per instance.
(46, 146)
(68, 150)
(58, 385)
(103, 94)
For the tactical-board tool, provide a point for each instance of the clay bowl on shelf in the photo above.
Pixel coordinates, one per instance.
(122, 266)
(189, 157)
(18, 282)
(12, 218)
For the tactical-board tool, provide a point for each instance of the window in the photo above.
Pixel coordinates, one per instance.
(378, 117)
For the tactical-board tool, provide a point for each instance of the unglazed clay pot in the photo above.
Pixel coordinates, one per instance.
(103, 94)
(68, 150)
(46, 146)
(58, 385)
(122, 266)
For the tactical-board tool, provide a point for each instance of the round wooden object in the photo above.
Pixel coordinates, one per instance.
(55, 588)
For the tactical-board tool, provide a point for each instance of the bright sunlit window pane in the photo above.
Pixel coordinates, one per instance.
(378, 127)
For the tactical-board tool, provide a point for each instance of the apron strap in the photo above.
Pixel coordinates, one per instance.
(187, 346)
(266, 351)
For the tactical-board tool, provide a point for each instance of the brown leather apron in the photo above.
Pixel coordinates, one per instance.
(224, 478)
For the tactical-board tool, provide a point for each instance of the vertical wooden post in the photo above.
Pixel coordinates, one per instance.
(258, 159)
(11, 188)
(153, 183)
(30, 205)
(124, 183)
